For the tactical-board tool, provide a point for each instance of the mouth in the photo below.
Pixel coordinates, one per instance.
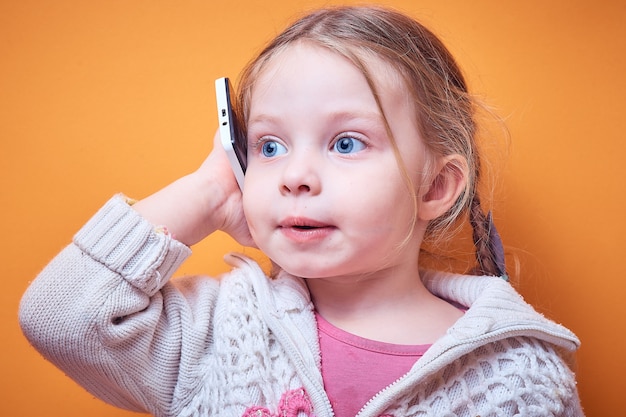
(302, 224)
(305, 230)
(305, 227)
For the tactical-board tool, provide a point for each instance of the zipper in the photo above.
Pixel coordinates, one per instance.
(314, 389)
(277, 325)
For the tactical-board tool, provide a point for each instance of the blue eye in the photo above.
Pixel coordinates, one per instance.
(348, 144)
(272, 148)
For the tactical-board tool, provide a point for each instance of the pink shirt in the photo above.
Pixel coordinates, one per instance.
(355, 369)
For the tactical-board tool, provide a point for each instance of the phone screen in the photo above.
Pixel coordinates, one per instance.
(237, 136)
(231, 131)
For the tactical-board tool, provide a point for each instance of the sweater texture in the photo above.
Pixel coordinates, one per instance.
(106, 312)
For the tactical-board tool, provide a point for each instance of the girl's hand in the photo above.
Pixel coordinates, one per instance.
(200, 203)
(217, 171)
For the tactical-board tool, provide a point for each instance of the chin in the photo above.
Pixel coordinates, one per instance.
(297, 272)
(306, 272)
(300, 271)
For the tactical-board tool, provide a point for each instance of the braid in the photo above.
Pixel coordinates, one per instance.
(489, 249)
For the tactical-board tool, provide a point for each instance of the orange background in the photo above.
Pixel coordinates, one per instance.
(103, 96)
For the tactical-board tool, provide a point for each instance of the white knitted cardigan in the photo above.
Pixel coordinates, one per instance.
(106, 313)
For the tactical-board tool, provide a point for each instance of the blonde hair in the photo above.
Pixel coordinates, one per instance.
(444, 108)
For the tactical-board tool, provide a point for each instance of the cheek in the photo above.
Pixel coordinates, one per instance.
(250, 205)
(383, 202)
(256, 202)
(401, 202)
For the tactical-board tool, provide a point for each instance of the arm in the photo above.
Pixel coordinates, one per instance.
(103, 310)
(198, 204)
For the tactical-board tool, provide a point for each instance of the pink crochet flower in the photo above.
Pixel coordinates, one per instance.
(292, 404)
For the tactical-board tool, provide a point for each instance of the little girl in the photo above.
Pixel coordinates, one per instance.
(360, 135)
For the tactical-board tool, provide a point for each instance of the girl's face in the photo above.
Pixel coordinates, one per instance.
(324, 195)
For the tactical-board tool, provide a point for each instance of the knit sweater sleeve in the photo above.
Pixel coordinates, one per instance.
(105, 312)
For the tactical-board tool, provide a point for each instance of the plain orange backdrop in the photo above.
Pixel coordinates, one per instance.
(103, 96)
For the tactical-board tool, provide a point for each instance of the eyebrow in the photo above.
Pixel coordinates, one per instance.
(339, 116)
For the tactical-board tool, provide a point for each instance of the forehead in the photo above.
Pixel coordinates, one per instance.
(304, 60)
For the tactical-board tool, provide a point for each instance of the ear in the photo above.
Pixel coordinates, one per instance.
(445, 187)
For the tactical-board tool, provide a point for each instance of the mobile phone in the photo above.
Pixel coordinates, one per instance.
(231, 132)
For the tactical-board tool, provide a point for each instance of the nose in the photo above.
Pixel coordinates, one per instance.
(301, 175)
